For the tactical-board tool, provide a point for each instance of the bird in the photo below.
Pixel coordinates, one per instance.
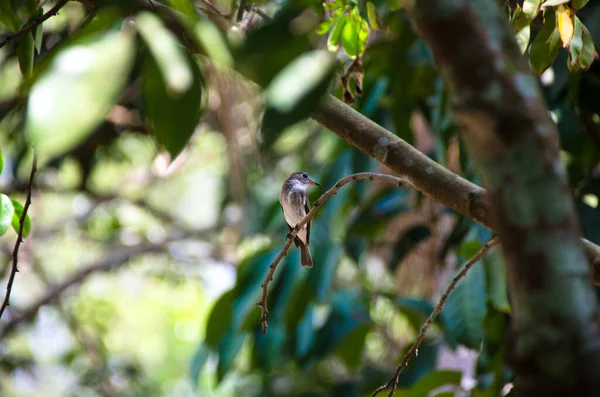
(295, 205)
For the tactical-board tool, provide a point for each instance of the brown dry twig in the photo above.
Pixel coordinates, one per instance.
(15, 255)
(392, 383)
(317, 204)
(34, 24)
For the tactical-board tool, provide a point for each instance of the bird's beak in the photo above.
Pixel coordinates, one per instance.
(312, 182)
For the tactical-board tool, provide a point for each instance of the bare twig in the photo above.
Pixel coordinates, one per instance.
(34, 24)
(392, 383)
(351, 178)
(113, 260)
(15, 254)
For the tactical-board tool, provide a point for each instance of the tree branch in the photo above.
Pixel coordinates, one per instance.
(318, 203)
(112, 260)
(413, 351)
(15, 255)
(34, 24)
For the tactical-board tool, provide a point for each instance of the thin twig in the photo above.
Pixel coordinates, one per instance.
(393, 383)
(15, 254)
(351, 178)
(34, 24)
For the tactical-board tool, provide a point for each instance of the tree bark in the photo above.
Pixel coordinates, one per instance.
(555, 349)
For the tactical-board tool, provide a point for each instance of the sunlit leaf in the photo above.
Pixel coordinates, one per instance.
(333, 40)
(168, 54)
(355, 34)
(16, 219)
(171, 118)
(1, 162)
(372, 14)
(553, 3)
(546, 44)
(7, 211)
(565, 21)
(295, 92)
(95, 72)
(213, 42)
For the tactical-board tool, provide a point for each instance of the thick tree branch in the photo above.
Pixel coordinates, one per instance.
(317, 204)
(15, 255)
(555, 327)
(34, 24)
(412, 352)
(112, 260)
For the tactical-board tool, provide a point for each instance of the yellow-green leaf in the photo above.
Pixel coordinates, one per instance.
(565, 23)
(354, 35)
(16, 219)
(372, 14)
(333, 41)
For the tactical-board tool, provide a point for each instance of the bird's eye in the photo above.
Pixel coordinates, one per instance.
(305, 175)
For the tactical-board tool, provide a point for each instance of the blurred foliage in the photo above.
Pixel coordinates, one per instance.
(143, 143)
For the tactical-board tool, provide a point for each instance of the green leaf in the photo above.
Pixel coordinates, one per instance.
(546, 44)
(495, 274)
(186, 7)
(219, 319)
(577, 4)
(1, 162)
(25, 54)
(95, 72)
(8, 16)
(372, 14)
(212, 41)
(39, 37)
(351, 347)
(16, 219)
(466, 307)
(200, 357)
(469, 248)
(271, 47)
(333, 40)
(295, 92)
(172, 118)
(229, 347)
(416, 311)
(522, 37)
(268, 347)
(553, 3)
(355, 34)
(434, 380)
(167, 53)
(581, 48)
(7, 212)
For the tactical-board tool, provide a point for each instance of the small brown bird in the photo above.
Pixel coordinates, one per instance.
(295, 205)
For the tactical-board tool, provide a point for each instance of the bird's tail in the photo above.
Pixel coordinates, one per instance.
(305, 258)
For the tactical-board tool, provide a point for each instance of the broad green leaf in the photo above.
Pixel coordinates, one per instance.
(268, 347)
(355, 34)
(577, 4)
(168, 54)
(546, 44)
(171, 118)
(416, 311)
(565, 22)
(7, 211)
(469, 248)
(213, 42)
(25, 54)
(1, 162)
(16, 219)
(8, 16)
(95, 72)
(271, 47)
(531, 8)
(581, 50)
(333, 40)
(295, 92)
(219, 319)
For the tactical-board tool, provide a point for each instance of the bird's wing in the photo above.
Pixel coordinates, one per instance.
(307, 209)
(297, 240)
